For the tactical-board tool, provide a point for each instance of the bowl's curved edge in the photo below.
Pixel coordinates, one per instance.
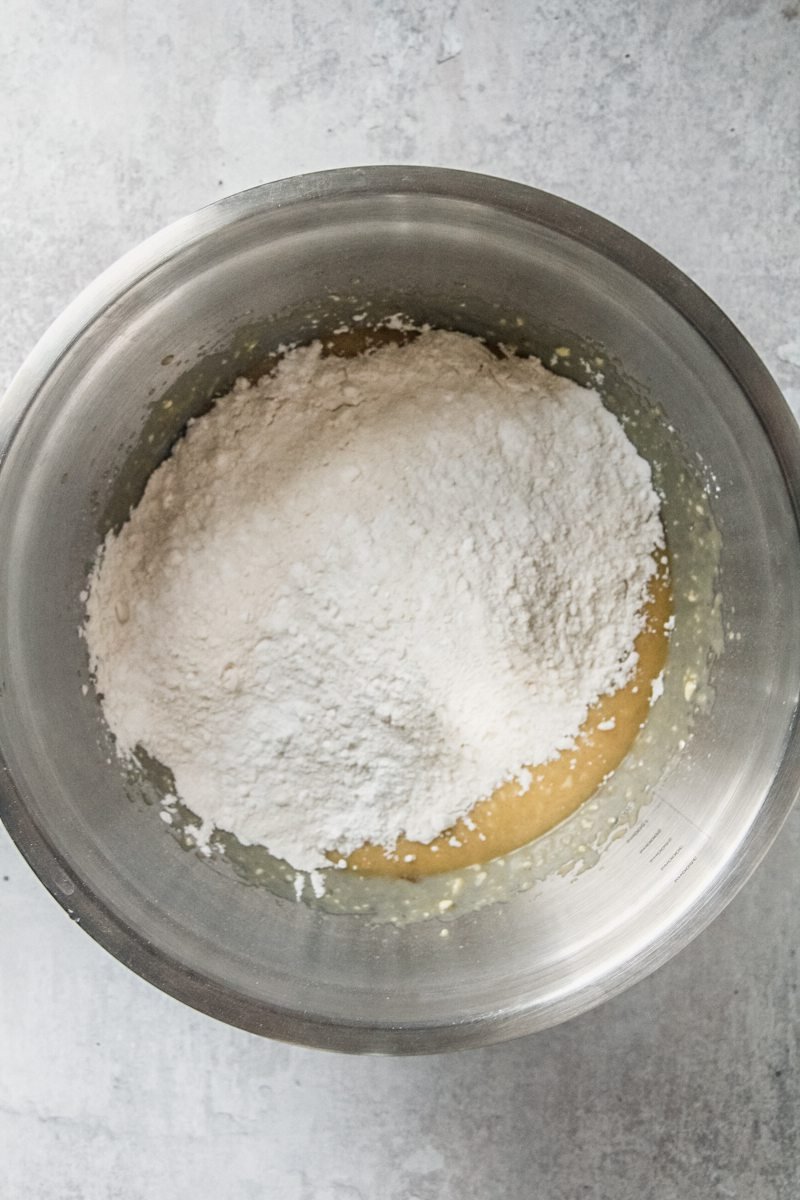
(109, 929)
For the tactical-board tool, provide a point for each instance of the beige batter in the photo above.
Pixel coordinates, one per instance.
(508, 819)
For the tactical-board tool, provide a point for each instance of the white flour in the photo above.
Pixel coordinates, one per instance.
(362, 594)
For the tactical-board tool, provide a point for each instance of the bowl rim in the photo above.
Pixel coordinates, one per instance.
(108, 927)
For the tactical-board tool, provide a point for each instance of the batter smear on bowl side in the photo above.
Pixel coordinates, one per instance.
(400, 612)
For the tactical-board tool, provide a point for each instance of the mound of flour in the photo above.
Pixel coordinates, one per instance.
(363, 593)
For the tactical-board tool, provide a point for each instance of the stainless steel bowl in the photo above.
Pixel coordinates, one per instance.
(85, 421)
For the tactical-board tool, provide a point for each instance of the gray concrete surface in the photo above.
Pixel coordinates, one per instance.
(680, 122)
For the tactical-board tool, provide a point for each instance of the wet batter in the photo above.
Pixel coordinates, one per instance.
(510, 819)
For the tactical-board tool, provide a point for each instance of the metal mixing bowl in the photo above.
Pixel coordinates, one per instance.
(85, 421)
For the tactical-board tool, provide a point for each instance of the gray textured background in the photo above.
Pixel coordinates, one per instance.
(681, 122)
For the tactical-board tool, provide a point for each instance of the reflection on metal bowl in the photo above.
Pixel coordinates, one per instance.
(594, 905)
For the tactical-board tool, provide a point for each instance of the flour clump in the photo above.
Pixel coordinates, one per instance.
(361, 594)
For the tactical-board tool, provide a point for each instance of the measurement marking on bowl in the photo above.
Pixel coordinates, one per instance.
(677, 849)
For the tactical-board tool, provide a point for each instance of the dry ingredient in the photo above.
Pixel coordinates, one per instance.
(362, 594)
